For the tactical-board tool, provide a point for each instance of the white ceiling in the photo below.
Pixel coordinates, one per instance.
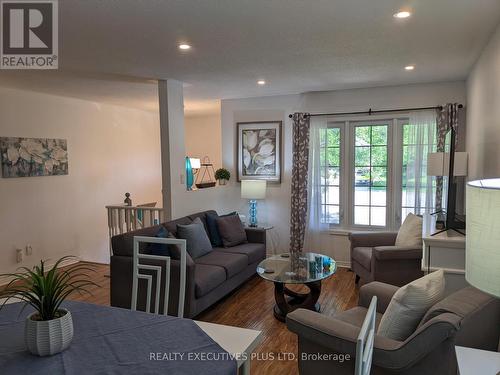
(111, 50)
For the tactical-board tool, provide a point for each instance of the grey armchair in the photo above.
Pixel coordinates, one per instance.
(468, 317)
(374, 257)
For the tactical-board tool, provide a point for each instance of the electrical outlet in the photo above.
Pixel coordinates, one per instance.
(29, 250)
(19, 255)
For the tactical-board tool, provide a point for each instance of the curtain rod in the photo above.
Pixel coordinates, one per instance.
(371, 112)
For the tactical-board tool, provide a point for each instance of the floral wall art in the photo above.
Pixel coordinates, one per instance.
(27, 157)
(259, 151)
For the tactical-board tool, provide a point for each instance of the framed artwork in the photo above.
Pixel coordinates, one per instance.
(28, 157)
(259, 151)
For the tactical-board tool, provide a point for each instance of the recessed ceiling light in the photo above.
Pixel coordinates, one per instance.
(261, 82)
(402, 14)
(184, 46)
(409, 67)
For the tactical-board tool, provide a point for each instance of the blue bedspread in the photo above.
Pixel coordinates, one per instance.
(110, 340)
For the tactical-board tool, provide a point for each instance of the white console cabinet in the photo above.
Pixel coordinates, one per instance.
(444, 251)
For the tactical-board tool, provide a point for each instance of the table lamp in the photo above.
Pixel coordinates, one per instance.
(482, 259)
(253, 190)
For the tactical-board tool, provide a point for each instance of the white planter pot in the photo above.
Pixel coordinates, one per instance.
(48, 337)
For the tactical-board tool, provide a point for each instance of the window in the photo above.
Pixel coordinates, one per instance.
(373, 171)
(330, 142)
(417, 142)
(370, 174)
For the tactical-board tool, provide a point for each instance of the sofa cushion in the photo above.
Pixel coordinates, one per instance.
(196, 237)
(232, 263)
(409, 304)
(172, 225)
(363, 255)
(254, 251)
(356, 316)
(213, 231)
(410, 233)
(207, 278)
(231, 230)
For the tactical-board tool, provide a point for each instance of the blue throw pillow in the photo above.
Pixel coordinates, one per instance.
(159, 248)
(213, 230)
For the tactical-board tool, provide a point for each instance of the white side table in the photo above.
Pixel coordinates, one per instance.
(475, 361)
(240, 342)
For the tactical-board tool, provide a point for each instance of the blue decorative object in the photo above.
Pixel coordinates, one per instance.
(160, 248)
(252, 213)
(189, 175)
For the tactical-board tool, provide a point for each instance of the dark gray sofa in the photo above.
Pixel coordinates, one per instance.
(208, 278)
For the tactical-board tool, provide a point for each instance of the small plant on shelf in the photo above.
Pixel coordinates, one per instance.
(222, 175)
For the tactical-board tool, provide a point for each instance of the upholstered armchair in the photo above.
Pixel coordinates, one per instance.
(374, 257)
(327, 344)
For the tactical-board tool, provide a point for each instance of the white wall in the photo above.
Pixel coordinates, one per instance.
(112, 150)
(275, 209)
(483, 112)
(203, 137)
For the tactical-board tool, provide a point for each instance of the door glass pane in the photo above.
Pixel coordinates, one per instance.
(362, 156)
(377, 216)
(362, 195)
(378, 196)
(332, 213)
(361, 215)
(333, 195)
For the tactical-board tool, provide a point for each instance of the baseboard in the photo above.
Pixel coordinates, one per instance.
(343, 264)
(64, 263)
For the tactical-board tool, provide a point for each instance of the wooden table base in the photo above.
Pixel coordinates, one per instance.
(287, 300)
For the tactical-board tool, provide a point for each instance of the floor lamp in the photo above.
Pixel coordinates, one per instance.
(482, 249)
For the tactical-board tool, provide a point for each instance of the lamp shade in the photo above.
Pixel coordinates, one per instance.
(253, 189)
(438, 164)
(482, 259)
(195, 163)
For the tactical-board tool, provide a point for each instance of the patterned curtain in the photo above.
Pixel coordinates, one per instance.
(298, 215)
(447, 119)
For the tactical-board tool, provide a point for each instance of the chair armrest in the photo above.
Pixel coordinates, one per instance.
(340, 337)
(372, 239)
(383, 291)
(331, 333)
(397, 252)
(426, 340)
(256, 235)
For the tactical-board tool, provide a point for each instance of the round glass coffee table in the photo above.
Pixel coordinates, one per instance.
(304, 268)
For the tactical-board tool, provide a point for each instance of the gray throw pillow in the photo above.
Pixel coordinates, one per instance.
(197, 241)
(409, 305)
(231, 230)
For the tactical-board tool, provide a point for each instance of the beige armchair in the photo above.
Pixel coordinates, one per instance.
(375, 258)
(468, 317)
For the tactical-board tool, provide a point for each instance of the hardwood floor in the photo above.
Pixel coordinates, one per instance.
(251, 306)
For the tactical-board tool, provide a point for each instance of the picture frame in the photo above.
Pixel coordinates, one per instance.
(32, 157)
(259, 151)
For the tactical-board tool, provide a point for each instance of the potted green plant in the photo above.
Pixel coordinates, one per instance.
(222, 175)
(49, 329)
